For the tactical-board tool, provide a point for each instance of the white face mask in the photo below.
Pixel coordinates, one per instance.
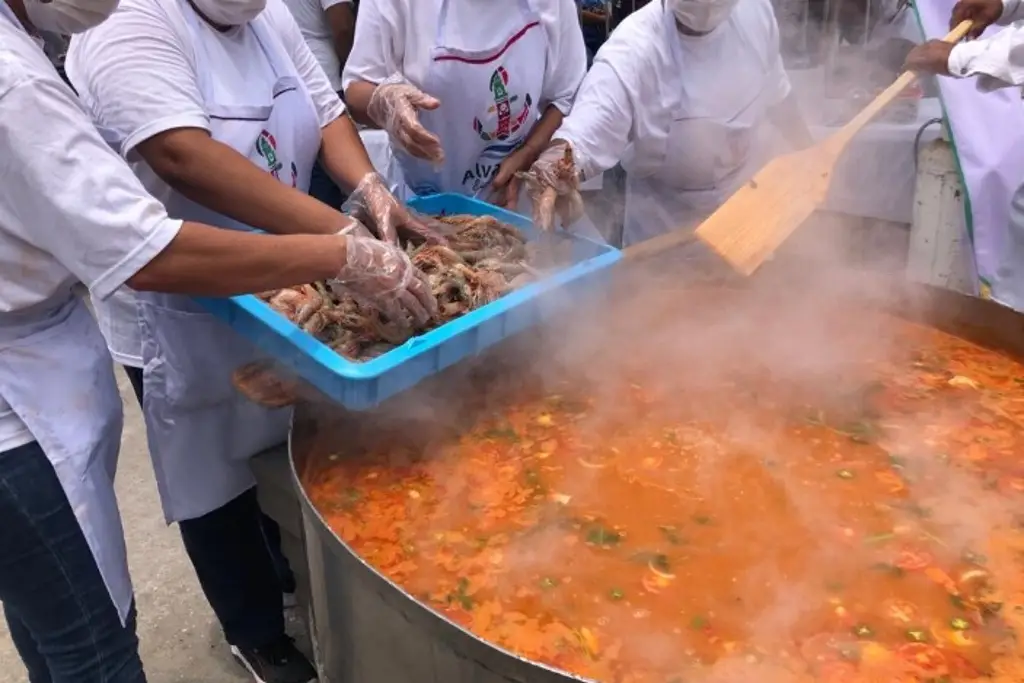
(68, 16)
(701, 16)
(230, 12)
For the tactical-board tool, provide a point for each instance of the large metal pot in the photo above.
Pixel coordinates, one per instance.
(366, 629)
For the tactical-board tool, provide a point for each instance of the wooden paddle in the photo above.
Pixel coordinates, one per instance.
(762, 214)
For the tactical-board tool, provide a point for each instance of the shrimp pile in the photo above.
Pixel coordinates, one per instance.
(483, 260)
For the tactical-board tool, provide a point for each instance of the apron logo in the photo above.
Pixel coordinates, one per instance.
(266, 147)
(507, 126)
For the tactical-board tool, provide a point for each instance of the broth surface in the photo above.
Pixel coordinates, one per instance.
(682, 524)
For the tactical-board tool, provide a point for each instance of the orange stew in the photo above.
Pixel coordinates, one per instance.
(721, 533)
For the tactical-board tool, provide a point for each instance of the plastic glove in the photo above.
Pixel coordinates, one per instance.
(394, 106)
(372, 204)
(382, 274)
(554, 187)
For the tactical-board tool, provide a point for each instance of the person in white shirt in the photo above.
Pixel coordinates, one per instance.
(71, 211)
(678, 95)
(997, 61)
(222, 110)
(469, 91)
(328, 27)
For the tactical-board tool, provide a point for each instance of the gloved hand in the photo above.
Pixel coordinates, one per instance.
(382, 275)
(554, 187)
(394, 106)
(372, 204)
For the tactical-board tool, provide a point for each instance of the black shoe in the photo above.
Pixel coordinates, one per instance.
(279, 662)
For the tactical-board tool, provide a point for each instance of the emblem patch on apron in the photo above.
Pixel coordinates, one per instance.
(266, 147)
(503, 101)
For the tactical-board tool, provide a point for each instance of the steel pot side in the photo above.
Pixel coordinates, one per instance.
(367, 629)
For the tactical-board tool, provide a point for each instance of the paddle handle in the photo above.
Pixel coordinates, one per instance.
(869, 112)
(659, 244)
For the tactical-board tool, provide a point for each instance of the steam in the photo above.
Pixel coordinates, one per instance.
(695, 337)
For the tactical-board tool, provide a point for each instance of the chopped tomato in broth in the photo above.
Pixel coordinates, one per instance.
(629, 534)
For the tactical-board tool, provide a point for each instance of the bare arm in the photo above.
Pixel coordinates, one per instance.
(203, 260)
(505, 186)
(343, 155)
(216, 176)
(357, 97)
(539, 137)
(342, 21)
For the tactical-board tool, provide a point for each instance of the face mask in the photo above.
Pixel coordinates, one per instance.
(230, 12)
(702, 16)
(68, 16)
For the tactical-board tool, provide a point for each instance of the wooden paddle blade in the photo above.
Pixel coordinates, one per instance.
(759, 217)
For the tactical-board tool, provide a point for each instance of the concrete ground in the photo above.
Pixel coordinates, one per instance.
(181, 641)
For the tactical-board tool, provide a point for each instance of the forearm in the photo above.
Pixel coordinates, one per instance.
(357, 99)
(217, 177)
(789, 119)
(540, 136)
(341, 21)
(343, 155)
(203, 260)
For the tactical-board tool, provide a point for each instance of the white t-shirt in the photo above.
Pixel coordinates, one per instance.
(396, 36)
(309, 15)
(70, 209)
(137, 74)
(625, 106)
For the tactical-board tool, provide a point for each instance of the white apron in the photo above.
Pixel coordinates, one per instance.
(708, 153)
(201, 431)
(489, 104)
(1005, 283)
(56, 374)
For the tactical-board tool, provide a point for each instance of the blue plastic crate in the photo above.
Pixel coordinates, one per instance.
(359, 386)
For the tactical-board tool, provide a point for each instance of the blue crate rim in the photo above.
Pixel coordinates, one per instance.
(374, 368)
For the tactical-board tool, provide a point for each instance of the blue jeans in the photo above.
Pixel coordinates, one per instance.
(61, 618)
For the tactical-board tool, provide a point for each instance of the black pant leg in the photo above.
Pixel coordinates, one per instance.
(236, 570)
(135, 377)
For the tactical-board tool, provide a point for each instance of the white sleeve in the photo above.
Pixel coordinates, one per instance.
(600, 124)
(138, 75)
(567, 58)
(328, 105)
(998, 62)
(376, 52)
(1013, 10)
(327, 4)
(82, 203)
